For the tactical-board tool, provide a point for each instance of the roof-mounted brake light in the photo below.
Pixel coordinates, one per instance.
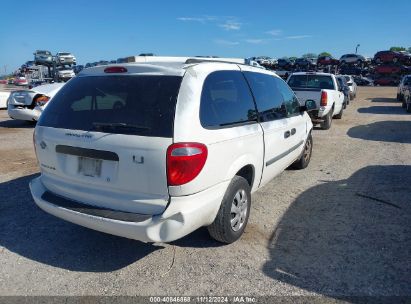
(115, 69)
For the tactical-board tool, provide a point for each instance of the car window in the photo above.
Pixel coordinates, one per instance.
(226, 100)
(137, 105)
(268, 96)
(290, 100)
(311, 81)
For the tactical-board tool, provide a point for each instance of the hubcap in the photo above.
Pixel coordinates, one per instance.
(307, 150)
(239, 209)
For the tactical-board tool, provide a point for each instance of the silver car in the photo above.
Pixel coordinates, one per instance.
(43, 57)
(65, 58)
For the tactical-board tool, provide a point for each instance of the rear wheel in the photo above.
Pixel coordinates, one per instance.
(339, 115)
(305, 158)
(232, 217)
(326, 124)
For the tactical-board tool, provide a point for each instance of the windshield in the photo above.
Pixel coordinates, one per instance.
(64, 54)
(138, 105)
(311, 81)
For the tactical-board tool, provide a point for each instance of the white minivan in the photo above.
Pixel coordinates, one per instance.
(153, 151)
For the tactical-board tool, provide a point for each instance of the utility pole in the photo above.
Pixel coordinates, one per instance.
(356, 48)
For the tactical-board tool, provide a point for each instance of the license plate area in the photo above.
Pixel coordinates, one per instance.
(90, 167)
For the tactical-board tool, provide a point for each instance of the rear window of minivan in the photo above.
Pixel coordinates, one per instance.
(137, 105)
(311, 81)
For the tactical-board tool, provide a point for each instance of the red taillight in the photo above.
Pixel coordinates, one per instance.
(184, 162)
(324, 99)
(115, 69)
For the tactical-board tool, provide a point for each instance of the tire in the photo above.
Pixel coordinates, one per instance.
(403, 105)
(326, 124)
(305, 157)
(224, 229)
(398, 97)
(344, 105)
(348, 99)
(339, 115)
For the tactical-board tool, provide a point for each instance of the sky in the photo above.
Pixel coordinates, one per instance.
(106, 30)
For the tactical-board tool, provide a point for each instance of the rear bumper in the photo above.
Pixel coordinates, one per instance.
(183, 215)
(23, 114)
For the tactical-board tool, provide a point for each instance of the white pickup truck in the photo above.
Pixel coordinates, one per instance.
(324, 89)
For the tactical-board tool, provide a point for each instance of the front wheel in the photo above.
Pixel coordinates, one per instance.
(305, 157)
(232, 217)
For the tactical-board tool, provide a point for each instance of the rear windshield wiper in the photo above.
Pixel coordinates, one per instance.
(118, 125)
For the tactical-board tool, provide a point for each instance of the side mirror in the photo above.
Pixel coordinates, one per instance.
(310, 105)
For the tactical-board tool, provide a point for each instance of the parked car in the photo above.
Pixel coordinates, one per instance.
(43, 57)
(351, 70)
(284, 64)
(266, 61)
(115, 169)
(362, 81)
(406, 102)
(305, 63)
(343, 87)
(66, 58)
(78, 68)
(29, 104)
(121, 60)
(323, 89)
(352, 58)
(327, 60)
(20, 81)
(390, 56)
(102, 62)
(3, 99)
(403, 86)
(65, 74)
(386, 80)
(352, 85)
(388, 69)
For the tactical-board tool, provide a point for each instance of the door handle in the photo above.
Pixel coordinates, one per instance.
(287, 134)
(293, 131)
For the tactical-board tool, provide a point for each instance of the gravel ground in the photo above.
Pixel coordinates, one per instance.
(339, 228)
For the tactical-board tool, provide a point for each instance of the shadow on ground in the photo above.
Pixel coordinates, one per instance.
(384, 99)
(388, 131)
(17, 124)
(387, 110)
(30, 232)
(348, 237)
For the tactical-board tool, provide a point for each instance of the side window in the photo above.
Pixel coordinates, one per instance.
(269, 100)
(226, 100)
(339, 84)
(290, 100)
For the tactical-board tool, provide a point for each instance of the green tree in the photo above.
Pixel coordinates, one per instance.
(325, 54)
(292, 58)
(310, 55)
(397, 48)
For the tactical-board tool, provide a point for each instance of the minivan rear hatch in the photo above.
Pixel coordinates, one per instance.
(103, 140)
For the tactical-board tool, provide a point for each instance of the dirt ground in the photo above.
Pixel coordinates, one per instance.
(339, 228)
